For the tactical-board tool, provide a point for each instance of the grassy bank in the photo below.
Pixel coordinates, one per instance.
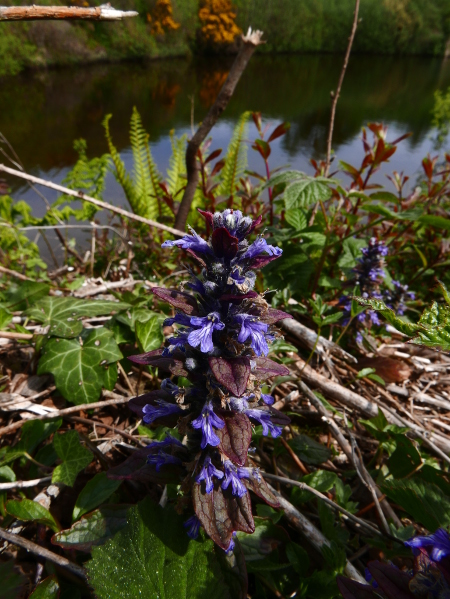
(387, 26)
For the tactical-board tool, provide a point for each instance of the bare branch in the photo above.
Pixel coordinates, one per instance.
(32, 13)
(250, 42)
(24, 484)
(82, 196)
(44, 553)
(337, 93)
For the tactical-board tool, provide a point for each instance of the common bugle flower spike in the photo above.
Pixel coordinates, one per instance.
(224, 330)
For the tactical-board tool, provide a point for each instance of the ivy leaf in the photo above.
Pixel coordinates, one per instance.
(149, 333)
(79, 365)
(75, 458)
(20, 296)
(63, 314)
(31, 510)
(96, 491)
(152, 557)
(93, 529)
(47, 589)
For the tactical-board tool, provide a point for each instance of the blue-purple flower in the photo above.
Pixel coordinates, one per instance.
(233, 476)
(207, 473)
(253, 329)
(160, 410)
(206, 421)
(267, 399)
(192, 526)
(264, 419)
(161, 459)
(202, 335)
(258, 247)
(437, 544)
(190, 242)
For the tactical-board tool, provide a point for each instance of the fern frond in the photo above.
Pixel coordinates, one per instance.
(176, 173)
(120, 171)
(235, 160)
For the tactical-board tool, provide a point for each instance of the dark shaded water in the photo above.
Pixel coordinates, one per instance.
(42, 113)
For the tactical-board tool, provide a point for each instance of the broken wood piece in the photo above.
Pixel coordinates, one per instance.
(105, 12)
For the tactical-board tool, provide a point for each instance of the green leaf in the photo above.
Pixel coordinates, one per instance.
(5, 318)
(258, 545)
(149, 333)
(153, 558)
(365, 372)
(20, 296)
(405, 458)
(302, 194)
(296, 218)
(435, 221)
(309, 450)
(79, 365)
(12, 580)
(298, 558)
(93, 529)
(332, 318)
(425, 502)
(31, 510)
(7, 474)
(47, 589)
(75, 458)
(96, 491)
(63, 314)
(36, 431)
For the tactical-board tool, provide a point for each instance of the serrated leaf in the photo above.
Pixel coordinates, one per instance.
(267, 537)
(309, 450)
(47, 589)
(80, 368)
(36, 431)
(75, 457)
(93, 529)
(152, 557)
(96, 491)
(296, 218)
(27, 510)
(425, 502)
(63, 314)
(302, 194)
(149, 333)
(266, 368)
(298, 558)
(183, 301)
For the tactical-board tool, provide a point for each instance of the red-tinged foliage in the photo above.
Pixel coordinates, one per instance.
(232, 373)
(235, 437)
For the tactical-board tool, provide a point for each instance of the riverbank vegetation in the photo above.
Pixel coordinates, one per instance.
(180, 27)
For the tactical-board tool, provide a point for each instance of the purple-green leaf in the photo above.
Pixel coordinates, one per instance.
(232, 373)
(235, 437)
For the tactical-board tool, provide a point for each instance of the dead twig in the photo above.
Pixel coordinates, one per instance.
(24, 484)
(44, 553)
(250, 42)
(57, 413)
(33, 13)
(82, 196)
(337, 93)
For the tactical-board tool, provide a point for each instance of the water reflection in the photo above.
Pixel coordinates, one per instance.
(42, 113)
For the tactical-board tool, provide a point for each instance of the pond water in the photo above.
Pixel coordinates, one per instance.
(43, 112)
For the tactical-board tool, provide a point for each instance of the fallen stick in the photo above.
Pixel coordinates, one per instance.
(44, 553)
(13, 273)
(330, 502)
(14, 335)
(57, 413)
(313, 534)
(33, 13)
(347, 449)
(82, 196)
(309, 338)
(24, 484)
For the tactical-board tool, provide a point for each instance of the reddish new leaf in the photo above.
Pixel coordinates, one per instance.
(235, 299)
(265, 368)
(255, 223)
(272, 316)
(208, 216)
(279, 131)
(261, 261)
(225, 245)
(393, 582)
(221, 513)
(136, 468)
(232, 373)
(156, 359)
(183, 301)
(350, 589)
(235, 437)
(260, 488)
